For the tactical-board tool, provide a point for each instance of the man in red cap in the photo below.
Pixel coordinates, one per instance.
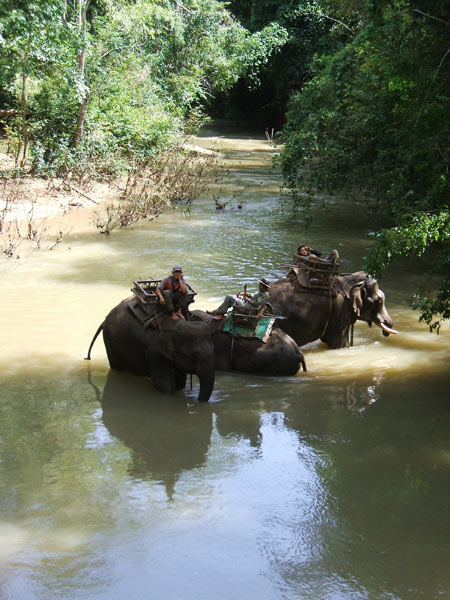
(172, 293)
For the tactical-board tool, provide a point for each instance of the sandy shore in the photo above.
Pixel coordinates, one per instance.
(47, 205)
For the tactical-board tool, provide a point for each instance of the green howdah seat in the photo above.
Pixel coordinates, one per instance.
(246, 321)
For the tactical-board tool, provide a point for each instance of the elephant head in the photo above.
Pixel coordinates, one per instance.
(328, 315)
(368, 304)
(187, 348)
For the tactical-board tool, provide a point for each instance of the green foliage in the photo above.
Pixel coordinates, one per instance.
(374, 121)
(308, 29)
(418, 234)
(120, 84)
(30, 37)
(259, 48)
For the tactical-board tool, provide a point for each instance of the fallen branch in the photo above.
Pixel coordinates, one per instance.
(83, 194)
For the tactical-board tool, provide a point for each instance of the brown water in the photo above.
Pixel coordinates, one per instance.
(333, 484)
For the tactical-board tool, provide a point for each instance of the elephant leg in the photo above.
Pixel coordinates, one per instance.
(114, 361)
(180, 379)
(162, 373)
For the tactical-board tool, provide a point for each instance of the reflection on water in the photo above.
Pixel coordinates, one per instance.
(332, 484)
(163, 441)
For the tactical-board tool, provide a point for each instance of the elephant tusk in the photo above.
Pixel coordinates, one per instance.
(387, 329)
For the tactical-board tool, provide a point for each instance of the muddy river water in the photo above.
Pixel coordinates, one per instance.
(330, 485)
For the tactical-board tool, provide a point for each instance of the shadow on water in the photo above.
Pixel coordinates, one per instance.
(166, 437)
(386, 474)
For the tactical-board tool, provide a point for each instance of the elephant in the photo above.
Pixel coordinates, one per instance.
(280, 355)
(328, 315)
(166, 354)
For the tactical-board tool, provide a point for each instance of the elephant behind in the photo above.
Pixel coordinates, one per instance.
(166, 354)
(328, 316)
(280, 355)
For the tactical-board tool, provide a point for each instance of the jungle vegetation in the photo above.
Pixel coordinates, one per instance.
(365, 85)
(358, 88)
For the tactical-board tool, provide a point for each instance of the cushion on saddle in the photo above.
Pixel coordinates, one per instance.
(262, 332)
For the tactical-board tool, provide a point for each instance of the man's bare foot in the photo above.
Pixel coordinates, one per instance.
(218, 317)
(174, 316)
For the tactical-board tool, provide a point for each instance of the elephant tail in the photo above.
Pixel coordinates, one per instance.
(88, 357)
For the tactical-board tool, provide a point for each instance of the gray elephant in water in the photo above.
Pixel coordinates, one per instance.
(166, 354)
(279, 355)
(328, 316)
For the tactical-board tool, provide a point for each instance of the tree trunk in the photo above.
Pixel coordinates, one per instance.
(23, 135)
(24, 120)
(81, 25)
(80, 124)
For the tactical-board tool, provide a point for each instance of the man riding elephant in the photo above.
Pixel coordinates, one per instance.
(308, 251)
(172, 292)
(243, 299)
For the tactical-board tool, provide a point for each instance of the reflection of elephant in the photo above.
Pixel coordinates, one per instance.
(166, 438)
(328, 316)
(165, 354)
(280, 355)
(232, 421)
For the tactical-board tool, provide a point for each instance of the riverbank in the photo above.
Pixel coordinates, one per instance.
(31, 198)
(36, 209)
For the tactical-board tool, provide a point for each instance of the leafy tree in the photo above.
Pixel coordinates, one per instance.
(30, 36)
(309, 30)
(117, 80)
(374, 120)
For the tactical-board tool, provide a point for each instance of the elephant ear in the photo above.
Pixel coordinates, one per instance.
(167, 346)
(357, 295)
(373, 288)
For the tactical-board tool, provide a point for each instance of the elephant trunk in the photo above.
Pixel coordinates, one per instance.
(206, 379)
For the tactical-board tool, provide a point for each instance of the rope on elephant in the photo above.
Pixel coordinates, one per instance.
(158, 324)
(147, 357)
(231, 351)
(329, 310)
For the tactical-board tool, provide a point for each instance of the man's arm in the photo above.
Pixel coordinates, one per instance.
(259, 299)
(183, 286)
(159, 290)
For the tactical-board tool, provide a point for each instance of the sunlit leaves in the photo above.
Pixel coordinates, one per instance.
(133, 74)
(374, 120)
